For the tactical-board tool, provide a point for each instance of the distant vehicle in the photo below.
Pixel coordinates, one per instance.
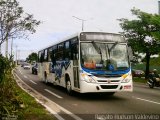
(22, 64)
(26, 66)
(87, 62)
(153, 82)
(33, 62)
(137, 73)
(35, 69)
(154, 79)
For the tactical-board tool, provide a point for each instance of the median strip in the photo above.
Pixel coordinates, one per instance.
(53, 93)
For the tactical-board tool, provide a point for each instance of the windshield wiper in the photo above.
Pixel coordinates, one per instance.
(113, 46)
(98, 49)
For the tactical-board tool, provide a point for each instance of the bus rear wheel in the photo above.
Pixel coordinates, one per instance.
(45, 78)
(69, 87)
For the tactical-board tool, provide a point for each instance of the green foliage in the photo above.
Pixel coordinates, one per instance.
(143, 34)
(14, 101)
(155, 61)
(154, 64)
(140, 80)
(32, 57)
(7, 96)
(14, 23)
(31, 110)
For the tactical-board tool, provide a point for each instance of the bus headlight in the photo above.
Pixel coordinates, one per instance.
(87, 78)
(126, 78)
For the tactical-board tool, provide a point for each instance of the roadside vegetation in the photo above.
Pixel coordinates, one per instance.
(142, 34)
(154, 64)
(33, 57)
(14, 102)
(139, 80)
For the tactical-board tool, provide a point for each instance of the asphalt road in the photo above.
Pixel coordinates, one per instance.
(126, 105)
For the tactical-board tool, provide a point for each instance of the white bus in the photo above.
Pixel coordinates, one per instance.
(87, 62)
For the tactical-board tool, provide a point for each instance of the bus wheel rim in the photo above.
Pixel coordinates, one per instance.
(68, 86)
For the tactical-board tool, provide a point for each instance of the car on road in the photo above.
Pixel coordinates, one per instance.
(26, 66)
(35, 69)
(137, 73)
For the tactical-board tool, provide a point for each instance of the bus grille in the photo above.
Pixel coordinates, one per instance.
(109, 86)
(112, 81)
(108, 76)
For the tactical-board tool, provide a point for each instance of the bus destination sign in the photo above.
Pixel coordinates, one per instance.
(110, 37)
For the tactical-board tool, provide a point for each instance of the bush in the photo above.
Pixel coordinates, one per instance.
(8, 100)
(15, 104)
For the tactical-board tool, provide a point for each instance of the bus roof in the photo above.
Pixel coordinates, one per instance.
(62, 40)
(76, 35)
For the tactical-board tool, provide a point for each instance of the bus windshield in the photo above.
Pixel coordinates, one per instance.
(104, 56)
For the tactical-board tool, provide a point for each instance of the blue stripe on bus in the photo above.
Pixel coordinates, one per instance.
(102, 72)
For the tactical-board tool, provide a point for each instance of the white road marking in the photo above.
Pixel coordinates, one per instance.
(25, 76)
(33, 82)
(48, 108)
(53, 93)
(148, 101)
(53, 103)
(20, 71)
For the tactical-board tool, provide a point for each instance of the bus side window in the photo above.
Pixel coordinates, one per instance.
(41, 56)
(46, 55)
(67, 51)
(74, 53)
(59, 55)
(50, 54)
(74, 49)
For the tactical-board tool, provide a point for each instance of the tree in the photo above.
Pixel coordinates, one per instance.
(143, 34)
(32, 57)
(14, 23)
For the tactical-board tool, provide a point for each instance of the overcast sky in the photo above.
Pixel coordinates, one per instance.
(58, 21)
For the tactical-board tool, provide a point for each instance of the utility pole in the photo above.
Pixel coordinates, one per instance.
(0, 49)
(6, 47)
(159, 7)
(16, 54)
(12, 47)
(82, 20)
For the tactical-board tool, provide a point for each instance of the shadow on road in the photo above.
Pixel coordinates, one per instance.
(98, 97)
(88, 96)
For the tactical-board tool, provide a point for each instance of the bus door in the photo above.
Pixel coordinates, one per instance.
(75, 65)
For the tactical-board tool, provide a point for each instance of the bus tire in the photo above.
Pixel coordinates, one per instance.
(68, 85)
(45, 78)
(110, 93)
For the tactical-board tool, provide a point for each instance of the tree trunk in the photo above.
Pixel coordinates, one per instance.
(147, 64)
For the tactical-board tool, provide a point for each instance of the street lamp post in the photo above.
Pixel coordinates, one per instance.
(7, 46)
(80, 20)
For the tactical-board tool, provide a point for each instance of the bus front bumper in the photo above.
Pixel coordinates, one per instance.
(86, 87)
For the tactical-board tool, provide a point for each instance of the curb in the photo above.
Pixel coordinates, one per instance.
(51, 106)
(38, 97)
